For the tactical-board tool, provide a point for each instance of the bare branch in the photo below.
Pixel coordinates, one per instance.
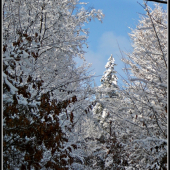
(158, 1)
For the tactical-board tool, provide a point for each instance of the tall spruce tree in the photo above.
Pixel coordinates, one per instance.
(109, 147)
(109, 79)
(106, 92)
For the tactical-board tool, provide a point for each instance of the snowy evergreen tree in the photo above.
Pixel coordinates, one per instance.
(109, 148)
(109, 79)
(139, 114)
(106, 93)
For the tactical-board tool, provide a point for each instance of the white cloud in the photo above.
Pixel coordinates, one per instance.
(108, 43)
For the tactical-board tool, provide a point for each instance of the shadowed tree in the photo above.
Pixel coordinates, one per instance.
(158, 1)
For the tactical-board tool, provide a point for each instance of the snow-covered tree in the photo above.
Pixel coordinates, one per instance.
(109, 78)
(107, 154)
(106, 93)
(139, 113)
(44, 94)
(142, 113)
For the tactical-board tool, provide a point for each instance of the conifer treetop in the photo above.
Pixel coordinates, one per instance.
(109, 78)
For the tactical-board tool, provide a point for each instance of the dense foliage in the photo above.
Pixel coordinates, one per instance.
(138, 114)
(144, 107)
(42, 88)
(52, 116)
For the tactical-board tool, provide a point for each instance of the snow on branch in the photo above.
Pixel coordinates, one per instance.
(12, 88)
(152, 139)
(148, 82)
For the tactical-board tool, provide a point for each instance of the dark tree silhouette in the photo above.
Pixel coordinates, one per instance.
(158, 1)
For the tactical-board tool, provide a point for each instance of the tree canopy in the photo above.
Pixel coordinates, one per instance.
(53, 116)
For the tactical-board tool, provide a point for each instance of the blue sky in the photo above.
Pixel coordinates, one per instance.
(103, 37)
